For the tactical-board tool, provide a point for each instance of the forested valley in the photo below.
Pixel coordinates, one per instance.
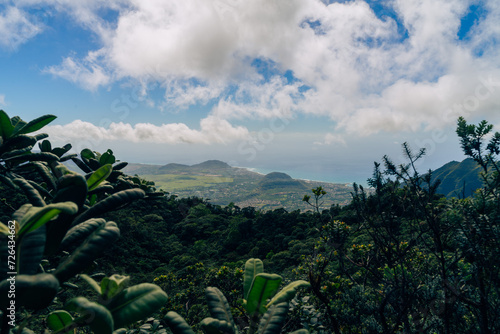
(105, 252)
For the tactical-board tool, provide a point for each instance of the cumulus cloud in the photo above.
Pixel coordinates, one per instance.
(16, 28)
(212, 130)
(364, 71)
(87, 72)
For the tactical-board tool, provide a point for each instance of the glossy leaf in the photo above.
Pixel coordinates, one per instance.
(177, 324)
(96, 316)
(218, 306)
(39, 216)
(35, 124)
(113, 285)
(71, 187)
(46, 174)
(288, 293)
(81, 165)
(99, 176)
(87, 154)
(107, 158)
(30, 251)
(136, 303)
(273, 320)
(77, 234)
(264, 286)
(45, 146)
(253, 267)
(30, 192)
(6, 126)
(60, 151)
(43, 156)
(120, 165)
(18, 142)
(60, 321)
(99, 240)
(43, 286)
(110, 203)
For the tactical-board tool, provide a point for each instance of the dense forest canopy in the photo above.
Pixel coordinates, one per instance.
(107, 252)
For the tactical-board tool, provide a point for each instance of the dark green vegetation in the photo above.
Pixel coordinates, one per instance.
(222, 184)
(399, 259)
(458, 179)
(56, 234)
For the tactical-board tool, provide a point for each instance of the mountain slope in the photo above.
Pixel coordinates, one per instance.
(458, 179)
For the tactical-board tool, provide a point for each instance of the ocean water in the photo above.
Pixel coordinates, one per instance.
(345, 177)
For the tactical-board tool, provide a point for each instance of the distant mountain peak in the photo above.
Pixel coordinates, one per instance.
(212, 164)
(277, 176)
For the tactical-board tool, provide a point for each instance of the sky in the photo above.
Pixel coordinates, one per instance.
(317, 89)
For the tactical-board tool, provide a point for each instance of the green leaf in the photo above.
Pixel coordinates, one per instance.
(39, 216)
(273, 320)
(77, 234)
(107, 158)
(8, 182)
(253, 267)
(60, 151)
(93, 284)
(88, 251)
(136, 303)
(60, 321)
(99, 176)
(87, 154)
(177, 324)
(110, 203)
(30, 251)
(45, 146)
(216, 326)
(35, 124)
(6, 126)
(43, 286)
(288, 292)
(96, 316)
(46, 174)
(264, 286)
(120, 165)
(113, 285)
(82, 165)
(218, 306)
(43, 156)
(30, 192)
(71, 187)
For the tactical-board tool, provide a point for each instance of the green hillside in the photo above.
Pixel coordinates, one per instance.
(458, 179)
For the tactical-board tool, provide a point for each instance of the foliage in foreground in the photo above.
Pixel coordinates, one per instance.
(63, 214)
(265, 306)
(402, 259)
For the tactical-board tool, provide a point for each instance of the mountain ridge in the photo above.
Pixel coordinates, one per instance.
(222, 184)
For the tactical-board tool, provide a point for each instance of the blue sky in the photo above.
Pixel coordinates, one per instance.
(315, 88)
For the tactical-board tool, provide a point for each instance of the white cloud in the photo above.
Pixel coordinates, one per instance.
(88, 72)
(16, 28)
(212, 130)
(2, 100)
(360, 70)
